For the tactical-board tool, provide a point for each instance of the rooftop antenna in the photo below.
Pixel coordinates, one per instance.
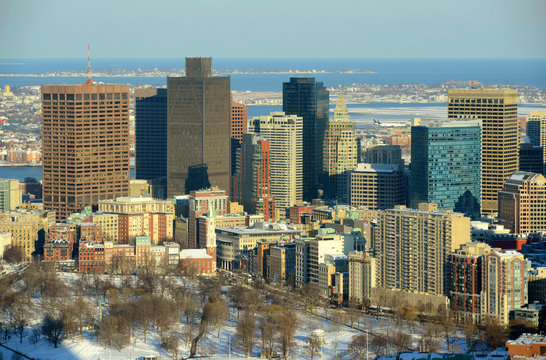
(89, 82)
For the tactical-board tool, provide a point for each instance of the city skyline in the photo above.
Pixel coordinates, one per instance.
(393, 29)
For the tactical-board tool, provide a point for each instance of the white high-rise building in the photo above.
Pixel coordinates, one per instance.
(284, 133)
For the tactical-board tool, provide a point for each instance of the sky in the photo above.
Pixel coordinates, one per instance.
(273, 29)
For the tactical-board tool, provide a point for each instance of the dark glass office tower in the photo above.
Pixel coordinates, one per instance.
(198, 140)
(151, 134)
(309, 99)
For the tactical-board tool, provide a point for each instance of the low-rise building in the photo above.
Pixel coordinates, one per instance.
(527, 346)
(232, 243)
(197, 261)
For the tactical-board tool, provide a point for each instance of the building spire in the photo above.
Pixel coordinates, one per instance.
(89, 81)
(340, 112)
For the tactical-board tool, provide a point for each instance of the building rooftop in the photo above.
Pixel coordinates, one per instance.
(194, 254)
(528, 339)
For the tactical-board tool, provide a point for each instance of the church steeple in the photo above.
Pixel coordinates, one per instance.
(340, 112)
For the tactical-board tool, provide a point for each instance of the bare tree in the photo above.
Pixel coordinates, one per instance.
(216, 313)
(357, 347)
(494, 333)
(379, 345)
(312, 347)
(402, 340)
(112, 333)
(245, 335)
(53, 329)
(170, 343)
(145, 313)
(13, 254)
(288, 323)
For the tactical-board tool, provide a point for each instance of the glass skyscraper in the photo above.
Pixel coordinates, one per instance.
(309, 99)
(446, 165)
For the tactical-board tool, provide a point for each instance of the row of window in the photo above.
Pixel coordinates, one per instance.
(79, 97)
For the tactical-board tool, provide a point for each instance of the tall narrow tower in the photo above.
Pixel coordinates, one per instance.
(340, 152)
(498, 110)
(198, 129)
(309, 99)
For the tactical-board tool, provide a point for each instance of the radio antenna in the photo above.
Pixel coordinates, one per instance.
(89, 81)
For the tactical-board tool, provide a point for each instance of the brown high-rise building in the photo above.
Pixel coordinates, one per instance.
(498, 110)
(198, 129)
(85, 145)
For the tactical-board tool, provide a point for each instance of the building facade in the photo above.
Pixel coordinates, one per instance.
(213, 202)
(522, 203)
(141, 216)
(412, 247)
(150, 133)
(504, 278)
(377, 186)
(466, 267)
(309, 100)
(536, 132)
(85, 145)
(253, 176)
(362, 272)
(446, 164)
(198, 129)
(498, 110)
(238, 126)
(284, 133)
(340, 152)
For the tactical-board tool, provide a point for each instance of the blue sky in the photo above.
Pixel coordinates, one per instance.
(273, 29)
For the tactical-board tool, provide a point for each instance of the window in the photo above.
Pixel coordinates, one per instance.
(47, 96)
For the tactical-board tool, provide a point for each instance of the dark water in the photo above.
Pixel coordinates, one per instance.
(530, 72)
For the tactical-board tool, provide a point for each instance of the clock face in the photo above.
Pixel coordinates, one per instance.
(540, 182)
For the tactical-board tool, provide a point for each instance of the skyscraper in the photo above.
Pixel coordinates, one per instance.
(253, 176)
(498, 110)
(85, 145)
(198, 128)
(284, 133)
(340, 152)
(309, 99)
(445, 164)
(150, 133)
(536, 131)
(238, 126)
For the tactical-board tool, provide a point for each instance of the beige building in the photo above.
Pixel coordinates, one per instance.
(27, 227)
(505, 278)
(141, 216)
(10, 194)
(280, 261)
(325, 243)
(340, 151)
(498, 110)
(413, 247)
(284, 133)
(377, 186)
(233, 242)
(5, 240)
(139, 188)
(109, 225)
(362, 276)
(522, 203)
